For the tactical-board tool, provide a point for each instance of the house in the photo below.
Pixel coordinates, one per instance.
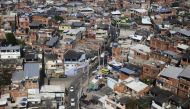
(168, 78)
(52, 41)
(24, 22)
(34, 25)
(72, 59)
(55, 93)
(31, 56)
(185, 59)
(24, 80)
(139, 12)
(182, 47)
(116, 13)
(163, 99)
(126, 72)
(101, 34)
(10, 52)
(139, 51)
(111, 82)
(151, 68)
(54, 66)
(68, 43)
(146, 20)
(45, 33)
(77, 25)
(86, 10)
(162, 43)
(32, 75)
(63, 27)
(160, 56)
(113, 102)
(41, 19)
(75, 34)
(184, 83)
(135, 87)
(136, 38)
(184, 32)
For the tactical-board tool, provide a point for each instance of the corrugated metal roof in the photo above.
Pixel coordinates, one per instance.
(52, 41)
(185, 73)
(171, 72)
(18, 76)
(10, 47)
(127, 71)
(31, 70)
(184, 32)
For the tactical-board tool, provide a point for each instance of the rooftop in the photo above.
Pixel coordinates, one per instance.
(141, 48)
(171, 72)
(31, 70)
(185, 73)
(52, 88)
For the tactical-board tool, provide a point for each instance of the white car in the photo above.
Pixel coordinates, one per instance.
(72, 102)
(71, 89)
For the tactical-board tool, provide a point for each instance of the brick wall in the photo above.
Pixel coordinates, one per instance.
(18, 93)
(184, 87)
(170, 84)
(141, 55)
(150, 71)
(119, 88)
(158, 44)
(157, 56)
(40, 19)
(30, 85)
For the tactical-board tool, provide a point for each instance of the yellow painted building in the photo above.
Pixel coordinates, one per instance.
(64, 27)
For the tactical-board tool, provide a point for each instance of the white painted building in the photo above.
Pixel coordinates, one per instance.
(72, 59)
(10, 52)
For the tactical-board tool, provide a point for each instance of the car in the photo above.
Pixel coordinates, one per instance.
(72, 102)
(71, 89)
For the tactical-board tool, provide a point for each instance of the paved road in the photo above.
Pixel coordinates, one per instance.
(77, 85)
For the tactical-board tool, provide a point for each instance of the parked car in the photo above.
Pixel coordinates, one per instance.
(72, 102)
(71, 89)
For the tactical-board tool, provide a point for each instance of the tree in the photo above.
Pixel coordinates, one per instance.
(10, 39)
(58, 18)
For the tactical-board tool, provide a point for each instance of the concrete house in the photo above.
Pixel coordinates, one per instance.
(72, 59)
(168, 78)
(10, 52)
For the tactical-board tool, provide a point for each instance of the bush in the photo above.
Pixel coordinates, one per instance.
(10, 39)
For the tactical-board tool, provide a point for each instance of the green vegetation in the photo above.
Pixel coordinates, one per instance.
(58, 18)
(148, 81)
(10, 39)
(5, 78)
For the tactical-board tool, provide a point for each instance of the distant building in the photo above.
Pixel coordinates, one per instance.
(10, 52)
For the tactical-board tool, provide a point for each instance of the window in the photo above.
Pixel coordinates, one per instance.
(181, 85)
(35, 81)
(73, 59)
(186, 87)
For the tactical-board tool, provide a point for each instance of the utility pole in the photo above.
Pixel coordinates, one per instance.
(99, 53)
